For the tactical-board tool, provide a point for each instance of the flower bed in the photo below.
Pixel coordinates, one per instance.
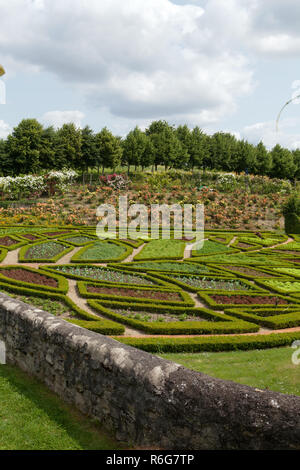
(225, 239)
(25, 276)
(278, 320)
(281, 286)
(248, 272)
(102, 252)
(109, 275)
(195, 283)
(10, 242)
(294, 272)
(242, 259)
(134, 293)
(168, 267)
(292, 260)
(20, 274)
(30, 236)
(43, 252)
(166, 322)
(77, 240)
(223, 299)
(210, 247)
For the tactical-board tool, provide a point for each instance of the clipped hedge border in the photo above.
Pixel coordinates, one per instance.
(227, 238)
(190, 288)
(86, 320)
(282, 273)
(248, 276)
(156, 281)
(133, 243)
(61, 232)
(283, 320)
(252, 260)
(251, 247)
(212, 344)
(3, 253)
(295, 295)
(65, 238)
(294, 262)
(206, 297)
(158, 308)
(229, 251)
(82, 288)
(269, 234)
(23, 251)
(135, 267)
(284, 253)
(104, 327)
(63, 285)
(179, 327)
(283, 248)
(15, 246)
(264, 284)
(76, 258)
(262, 243)
(296, 236)
(36, 234)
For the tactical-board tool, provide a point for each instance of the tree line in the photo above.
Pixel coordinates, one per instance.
(32, 148)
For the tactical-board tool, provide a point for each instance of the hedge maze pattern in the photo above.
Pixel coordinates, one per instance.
(242, 290)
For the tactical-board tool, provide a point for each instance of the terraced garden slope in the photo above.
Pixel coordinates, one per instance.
(241, 291)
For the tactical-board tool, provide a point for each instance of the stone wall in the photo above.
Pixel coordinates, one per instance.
(142, 398)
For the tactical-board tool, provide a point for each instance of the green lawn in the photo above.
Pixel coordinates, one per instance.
(33, 418)
(102, 251)
(161, 249)
(265, 369)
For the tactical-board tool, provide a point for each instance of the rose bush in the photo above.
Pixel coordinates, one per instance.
(31, 186)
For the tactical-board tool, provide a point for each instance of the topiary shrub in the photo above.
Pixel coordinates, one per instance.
(291, 212)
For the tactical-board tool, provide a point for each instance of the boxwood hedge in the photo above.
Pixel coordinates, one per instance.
(228, 325)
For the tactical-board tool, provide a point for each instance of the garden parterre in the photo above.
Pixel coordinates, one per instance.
(241, 292)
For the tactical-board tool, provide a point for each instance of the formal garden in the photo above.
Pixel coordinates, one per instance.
(241, 291)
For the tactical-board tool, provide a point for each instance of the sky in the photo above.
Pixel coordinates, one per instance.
(222, 65)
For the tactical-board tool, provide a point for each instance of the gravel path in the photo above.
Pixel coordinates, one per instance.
(135, 251)
(82, 303)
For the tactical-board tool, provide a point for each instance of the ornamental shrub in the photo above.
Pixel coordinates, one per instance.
(30, 186)
(291, 212)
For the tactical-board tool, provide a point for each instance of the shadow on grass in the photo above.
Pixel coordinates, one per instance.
(85, 431)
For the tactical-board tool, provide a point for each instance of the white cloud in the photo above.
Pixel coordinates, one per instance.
(274, 27)
(5, 129)
(138, 59)
(287, 135)
(58, 118)
(135, 61)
